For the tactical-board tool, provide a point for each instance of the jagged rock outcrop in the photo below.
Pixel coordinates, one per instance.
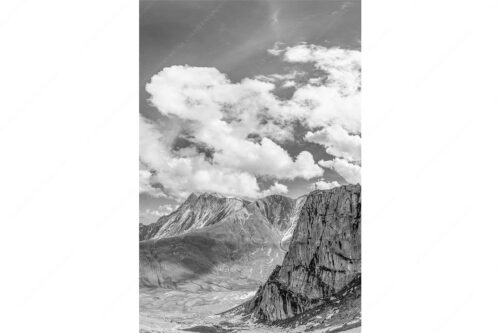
(324, 256)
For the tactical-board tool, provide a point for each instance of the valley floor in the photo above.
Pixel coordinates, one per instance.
(163, 310)
(194, 308)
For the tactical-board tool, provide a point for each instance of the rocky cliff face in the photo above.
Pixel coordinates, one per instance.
(324, 256)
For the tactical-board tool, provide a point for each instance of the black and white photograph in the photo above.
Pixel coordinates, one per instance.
(250, 166)
(176, 166)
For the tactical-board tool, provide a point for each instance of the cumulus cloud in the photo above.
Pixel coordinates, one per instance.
(337, 99)
(184, 171)
(187, 170)
(324, 185)
(330, 105)
(207, 98)
(276, 188)
(232, 120)
(349, 171)
(146, 187)
(234, 131)
(264, 158)
(337, 141)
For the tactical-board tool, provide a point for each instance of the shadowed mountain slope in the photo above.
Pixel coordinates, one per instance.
(233, 234)
(209, 231)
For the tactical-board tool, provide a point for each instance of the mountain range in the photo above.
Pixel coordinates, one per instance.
(209, 231)
(302, 255)
(205, 209)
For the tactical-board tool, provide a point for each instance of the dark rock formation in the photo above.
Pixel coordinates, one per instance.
(324, 256)
(274, 300)
(338, 313)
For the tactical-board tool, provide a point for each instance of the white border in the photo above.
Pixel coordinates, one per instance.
(68, 177)
(69, 183)
(430, 166)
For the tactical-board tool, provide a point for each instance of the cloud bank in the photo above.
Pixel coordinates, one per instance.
(349, 171)
(233, 132)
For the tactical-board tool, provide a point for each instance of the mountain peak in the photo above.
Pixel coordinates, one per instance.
(192, 197)
(195, 196)
(198, 211)
(212, 194)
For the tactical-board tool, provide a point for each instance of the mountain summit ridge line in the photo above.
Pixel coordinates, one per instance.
(203, 209)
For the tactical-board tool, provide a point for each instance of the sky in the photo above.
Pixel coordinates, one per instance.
(247, 98)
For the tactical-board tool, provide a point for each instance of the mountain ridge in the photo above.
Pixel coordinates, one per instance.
(212, 237)
(202, 209)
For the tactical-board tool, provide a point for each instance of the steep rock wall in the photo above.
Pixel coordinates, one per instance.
(323, 257)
